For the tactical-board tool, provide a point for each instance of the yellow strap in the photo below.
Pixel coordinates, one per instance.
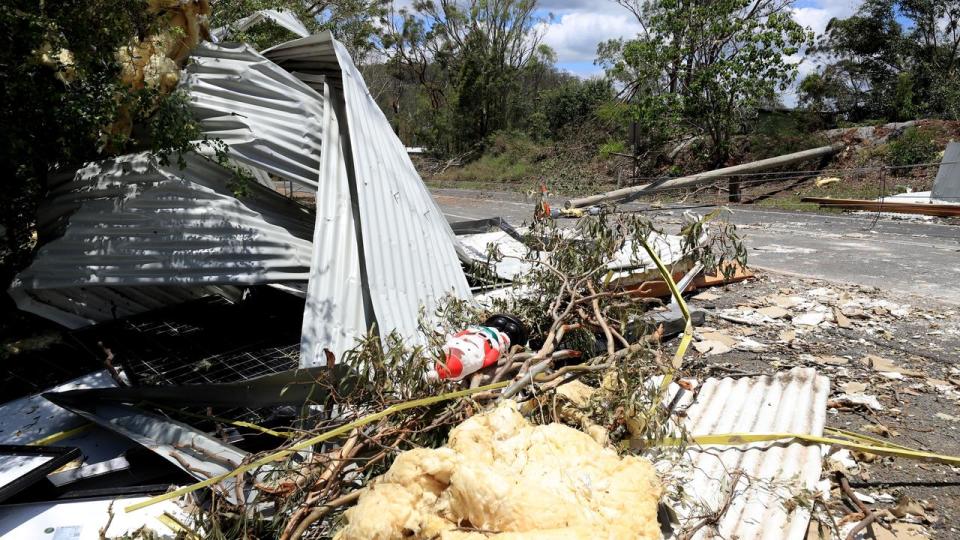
(177, 526)
(59, 436)
(237, 423)
(346, 428)
(688, 326)
(884, 450)
(859, 437)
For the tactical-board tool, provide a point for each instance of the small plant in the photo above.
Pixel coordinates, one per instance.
(913, 147)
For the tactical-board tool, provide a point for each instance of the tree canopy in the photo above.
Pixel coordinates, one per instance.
(878, 67)
(701, 67)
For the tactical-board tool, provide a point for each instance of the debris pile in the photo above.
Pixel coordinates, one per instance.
(575, 410)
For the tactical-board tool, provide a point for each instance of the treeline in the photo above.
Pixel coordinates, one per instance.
(892, 60)
(453, 73)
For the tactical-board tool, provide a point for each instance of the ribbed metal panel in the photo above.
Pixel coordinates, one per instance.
(283, 18)
(127, 235)
(408, 257)
(269, 118)
(790, 402)
(336, 310)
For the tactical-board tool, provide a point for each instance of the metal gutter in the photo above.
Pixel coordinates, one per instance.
(197, 453)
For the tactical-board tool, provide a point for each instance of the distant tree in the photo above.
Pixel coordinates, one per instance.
(574, 103)
(879, 68)
(702, 66)
(356, 23)
(468, 57)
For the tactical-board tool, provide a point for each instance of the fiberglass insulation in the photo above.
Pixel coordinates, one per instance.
(498, 473)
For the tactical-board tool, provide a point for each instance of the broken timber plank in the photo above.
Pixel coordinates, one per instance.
(938, 210)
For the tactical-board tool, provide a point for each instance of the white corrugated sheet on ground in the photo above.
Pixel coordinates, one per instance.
(408, 254)
(270, 119)
(629, 266)
(127, 235)
(83, 520)
(774, 473)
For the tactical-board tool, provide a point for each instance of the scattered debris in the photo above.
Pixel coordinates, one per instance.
(578, 416)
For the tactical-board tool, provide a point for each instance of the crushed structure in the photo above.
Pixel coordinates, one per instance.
(275, 423)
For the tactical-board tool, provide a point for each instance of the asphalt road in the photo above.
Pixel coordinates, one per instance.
(913, 257)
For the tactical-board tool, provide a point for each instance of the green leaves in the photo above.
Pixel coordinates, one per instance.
(894, 60)
(702, 66)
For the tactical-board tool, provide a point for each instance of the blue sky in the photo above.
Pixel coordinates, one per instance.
(578, 26)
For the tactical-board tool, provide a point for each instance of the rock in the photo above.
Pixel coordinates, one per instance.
(842, 320)
(774, 312)
(832, 360)
(905, 506)
(901, 531)
(881, 364)
(750, 345)
(811, 318)
(710, 348)
(784, 301)
(727, 340)
(849, 400)
(853, 387)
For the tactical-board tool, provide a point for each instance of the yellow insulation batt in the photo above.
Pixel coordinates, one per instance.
(501, 477)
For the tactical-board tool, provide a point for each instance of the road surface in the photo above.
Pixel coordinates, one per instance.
(914, 257)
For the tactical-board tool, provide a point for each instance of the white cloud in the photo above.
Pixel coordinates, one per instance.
(561, 7)
(818, 13)
(575, 36)
(815, 15)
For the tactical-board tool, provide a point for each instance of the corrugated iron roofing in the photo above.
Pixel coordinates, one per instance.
(283, 18)
(337, 309)
(790, 402)
(408, 257)
(127, 235)
(269, 118)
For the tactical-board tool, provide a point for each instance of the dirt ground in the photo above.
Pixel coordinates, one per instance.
(891, 361)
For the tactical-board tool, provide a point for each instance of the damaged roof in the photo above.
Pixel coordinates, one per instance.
(407, 251)
(129, 235)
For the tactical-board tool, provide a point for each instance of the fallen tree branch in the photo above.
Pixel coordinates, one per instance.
(321, 511)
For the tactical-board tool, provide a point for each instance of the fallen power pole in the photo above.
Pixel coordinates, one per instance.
(702, 178)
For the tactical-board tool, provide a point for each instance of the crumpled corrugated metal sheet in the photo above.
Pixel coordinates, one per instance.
(408, 255)
(268, 118)
(283, 18)
(337, 310)
(773, 473)
(128, 235)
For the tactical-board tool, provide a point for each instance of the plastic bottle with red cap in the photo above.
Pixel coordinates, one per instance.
(477, 347)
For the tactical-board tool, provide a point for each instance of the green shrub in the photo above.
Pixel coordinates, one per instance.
(914, 146)
(612, 147)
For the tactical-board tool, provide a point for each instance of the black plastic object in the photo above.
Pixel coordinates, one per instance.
(511, 325)
(56, 457)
